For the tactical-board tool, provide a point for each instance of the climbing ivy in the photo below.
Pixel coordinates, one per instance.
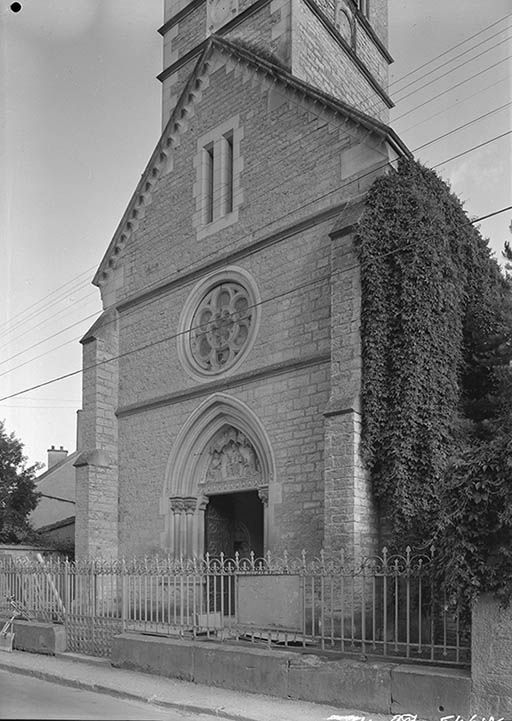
(432, 305)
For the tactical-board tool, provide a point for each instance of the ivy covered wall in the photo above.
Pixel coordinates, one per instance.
(431, 300)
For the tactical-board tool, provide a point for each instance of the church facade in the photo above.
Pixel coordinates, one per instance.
(221, 382)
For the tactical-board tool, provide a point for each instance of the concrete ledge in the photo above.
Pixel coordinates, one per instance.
(430, 692)
(39, 637)
(242, 669)
(204, 662)
(343, 682)
(163, 656)
(284, 674)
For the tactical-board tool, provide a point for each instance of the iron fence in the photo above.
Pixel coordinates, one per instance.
(387, 605)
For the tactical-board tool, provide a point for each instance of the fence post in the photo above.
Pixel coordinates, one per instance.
(124, 598)
(67, 595)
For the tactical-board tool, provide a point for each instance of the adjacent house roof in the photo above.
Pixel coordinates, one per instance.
(57, 488)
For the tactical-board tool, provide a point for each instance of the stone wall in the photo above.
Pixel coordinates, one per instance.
(96, 465)
(318, 59)
(299, 170)
(290, 32)
(491, 659)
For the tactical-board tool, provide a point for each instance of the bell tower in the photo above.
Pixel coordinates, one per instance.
(337, 46)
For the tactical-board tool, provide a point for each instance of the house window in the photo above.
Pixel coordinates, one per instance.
(217, 188)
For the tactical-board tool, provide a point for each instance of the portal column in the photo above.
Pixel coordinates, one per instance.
(177, 506)
(263, 496)
(200, 549)
(190, 504)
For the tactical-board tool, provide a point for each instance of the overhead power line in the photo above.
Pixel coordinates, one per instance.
(34, 345)
(393, 83)
(491, 215)
(189, 330)
(454, 47)
(161, 280)
(453, 87)
(452, 70)
(450, 132)
(37, 302)
(444, 110)
(465, 125)
(474, 147)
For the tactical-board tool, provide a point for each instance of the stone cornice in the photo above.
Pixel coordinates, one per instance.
(323, 19)
(371, 32)
(234, 256)
(222, 384)
(194, 4)
(350, 51)
(180, 15)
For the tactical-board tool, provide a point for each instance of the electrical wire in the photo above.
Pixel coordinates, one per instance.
(173, 336)
(216, 252)
(426, 144)
(465, 125)
(454, 47)
(452, 70)
(474, 147)
(453, 87)
(393, 83)
(25, 310)
(444, 110)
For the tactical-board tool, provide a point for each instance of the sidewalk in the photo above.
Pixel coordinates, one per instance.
(96, 674)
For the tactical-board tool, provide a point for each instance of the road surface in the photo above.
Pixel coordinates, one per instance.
(24, 697)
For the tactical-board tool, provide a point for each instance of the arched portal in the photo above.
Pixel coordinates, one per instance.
(221, 461)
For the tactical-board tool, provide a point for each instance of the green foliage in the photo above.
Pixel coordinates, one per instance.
(18, 496)
(435, 319)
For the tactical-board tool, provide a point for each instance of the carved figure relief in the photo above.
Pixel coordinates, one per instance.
(233, 462)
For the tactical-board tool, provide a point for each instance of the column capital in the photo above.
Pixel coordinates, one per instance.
(263, 495)
(203, 502)
(176, 504)
(190, 504)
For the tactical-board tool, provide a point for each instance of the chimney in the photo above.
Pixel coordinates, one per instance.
(55, 455)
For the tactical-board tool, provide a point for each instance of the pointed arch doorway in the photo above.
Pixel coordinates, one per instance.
(234, 523)
(216, 489)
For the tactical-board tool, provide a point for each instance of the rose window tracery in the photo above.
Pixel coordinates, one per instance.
(221, 326)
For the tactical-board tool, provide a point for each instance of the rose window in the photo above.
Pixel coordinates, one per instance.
(221, 327)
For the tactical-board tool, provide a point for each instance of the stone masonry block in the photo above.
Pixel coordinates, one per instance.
(39, 637)
(345, 683)
(172, 658)
(242, 669)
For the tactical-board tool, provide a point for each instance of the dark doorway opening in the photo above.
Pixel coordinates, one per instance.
(234, 523)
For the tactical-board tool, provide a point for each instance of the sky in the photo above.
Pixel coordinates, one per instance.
(80, 115)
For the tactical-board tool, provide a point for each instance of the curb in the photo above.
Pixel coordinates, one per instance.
(116, 693)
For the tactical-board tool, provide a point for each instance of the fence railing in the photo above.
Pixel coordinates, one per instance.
(387, 605)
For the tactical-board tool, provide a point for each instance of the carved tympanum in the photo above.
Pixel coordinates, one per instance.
(232, 460)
